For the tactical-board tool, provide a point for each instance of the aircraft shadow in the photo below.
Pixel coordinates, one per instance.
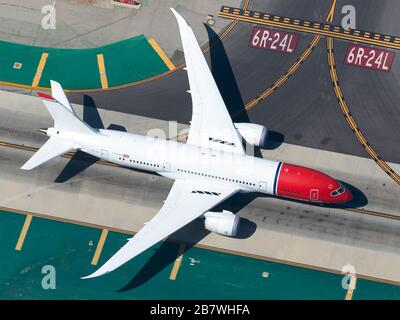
(195, 231)
(274, 140)
(224, 77)
(80, 161)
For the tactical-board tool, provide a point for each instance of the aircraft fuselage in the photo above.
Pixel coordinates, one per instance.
(178, 160)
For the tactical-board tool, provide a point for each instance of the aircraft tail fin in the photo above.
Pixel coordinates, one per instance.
(52, 148)
(65, 119)
(62, 112)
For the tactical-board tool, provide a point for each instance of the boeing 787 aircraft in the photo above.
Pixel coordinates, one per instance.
(209, 168)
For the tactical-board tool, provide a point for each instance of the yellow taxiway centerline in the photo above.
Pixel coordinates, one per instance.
(23, 233)
(38, 75)
(350, 120)
(102, 71)
(99, 247)
(162, 54)
(177, 263)
(303, 57)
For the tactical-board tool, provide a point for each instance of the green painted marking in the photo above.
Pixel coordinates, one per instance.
(125, 61)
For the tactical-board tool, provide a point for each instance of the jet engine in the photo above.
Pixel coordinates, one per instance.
(225, 223)
(254, 134)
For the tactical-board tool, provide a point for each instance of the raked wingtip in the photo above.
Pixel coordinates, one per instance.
(90, 276)
(95, 274)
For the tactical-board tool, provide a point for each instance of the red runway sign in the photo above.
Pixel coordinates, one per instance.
(371, 58)
(273, 40)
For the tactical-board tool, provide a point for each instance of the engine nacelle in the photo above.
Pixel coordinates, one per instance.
(225, 223)
(254, 134)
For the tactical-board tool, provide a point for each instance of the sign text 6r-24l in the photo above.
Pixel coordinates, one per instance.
(370, 58)
(273, 40)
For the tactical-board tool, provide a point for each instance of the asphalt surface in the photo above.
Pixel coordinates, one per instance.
(304, 111)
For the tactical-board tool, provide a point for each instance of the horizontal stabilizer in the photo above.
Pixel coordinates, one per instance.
(54, 147)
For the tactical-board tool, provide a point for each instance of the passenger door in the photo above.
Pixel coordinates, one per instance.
(262, 186)
(166, 167)
(104, 154)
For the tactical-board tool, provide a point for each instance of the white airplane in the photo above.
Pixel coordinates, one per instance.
(209, 168)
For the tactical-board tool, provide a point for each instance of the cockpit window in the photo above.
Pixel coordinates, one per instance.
(338, 191)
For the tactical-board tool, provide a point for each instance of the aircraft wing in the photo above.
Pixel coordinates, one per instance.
(211, 124)
(183, 205)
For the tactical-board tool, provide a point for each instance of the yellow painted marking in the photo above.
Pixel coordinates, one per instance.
(99, 247)
(307, 23)
(350, 120)
(352, 287)
(177, 263)
(161, 53)
(286, 20)
(316, 29)
(266, 93)
(321, 32)
(102, 71)
(331, 11)
(38, 75)
(23, 233)
(130, 84)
